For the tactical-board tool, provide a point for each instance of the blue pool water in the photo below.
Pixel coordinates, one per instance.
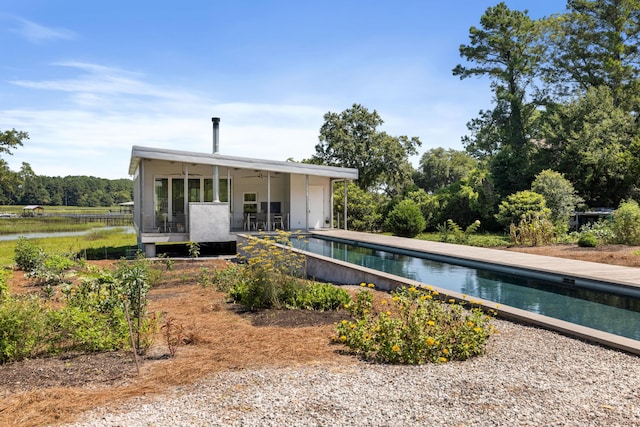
(607, 312)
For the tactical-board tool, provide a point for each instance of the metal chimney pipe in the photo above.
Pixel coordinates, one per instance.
(216, 176)
(216, 134)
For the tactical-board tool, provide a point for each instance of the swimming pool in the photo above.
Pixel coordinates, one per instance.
(605, 311)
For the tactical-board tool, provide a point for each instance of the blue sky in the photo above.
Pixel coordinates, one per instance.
(87, 80)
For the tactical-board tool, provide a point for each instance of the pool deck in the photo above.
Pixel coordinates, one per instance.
(566, 268)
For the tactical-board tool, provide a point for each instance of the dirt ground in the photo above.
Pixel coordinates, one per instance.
(219, 336)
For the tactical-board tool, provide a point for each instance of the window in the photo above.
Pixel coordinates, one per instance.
(162, 197)
(194, 190)
(209, 190)
(177, 196)
(250, 202)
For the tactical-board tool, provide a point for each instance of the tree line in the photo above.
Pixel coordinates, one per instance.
(563, 121)
(25, 187)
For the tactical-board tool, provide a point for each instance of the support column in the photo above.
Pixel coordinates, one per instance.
(345, 204)
(306, 210)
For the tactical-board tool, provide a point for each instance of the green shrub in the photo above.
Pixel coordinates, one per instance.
(626, 223)
(222, 279)
(406, 219)
(315, 296)
(268, 270)
(600, 229)
(272, 278)
(52, 270)
(4, 289)
(587, 240)
(23, 331)
(415, 328)
(523, 204)
(28, 256)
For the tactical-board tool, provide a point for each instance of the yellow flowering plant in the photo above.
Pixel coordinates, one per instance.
(418, 328)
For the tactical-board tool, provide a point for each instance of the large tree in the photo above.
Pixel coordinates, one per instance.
(596, 44)
(507, 50)
(595, 144)
(352, 139)
(440, 168)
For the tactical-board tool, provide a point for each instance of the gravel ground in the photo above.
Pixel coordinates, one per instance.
(529, 377)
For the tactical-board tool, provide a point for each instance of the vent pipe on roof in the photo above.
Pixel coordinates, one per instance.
(216, 177)
(216, 133)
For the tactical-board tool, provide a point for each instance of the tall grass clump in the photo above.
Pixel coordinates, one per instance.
(413, 327)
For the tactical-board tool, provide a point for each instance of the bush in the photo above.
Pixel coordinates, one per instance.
(52, 270)
(22, 328)
(587, 240)
(415, 328)
(269, 269)
(523, 204)
(272, 278)
(600, 229)
(4, 289)
(626, 223)
(315, 296)
(28, 256)
(406, 219)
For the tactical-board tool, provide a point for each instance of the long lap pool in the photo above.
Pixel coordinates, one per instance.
(606, 311)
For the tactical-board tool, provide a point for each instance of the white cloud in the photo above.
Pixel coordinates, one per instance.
(39, 34)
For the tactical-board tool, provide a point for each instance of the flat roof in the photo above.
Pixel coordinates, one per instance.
(138, 153)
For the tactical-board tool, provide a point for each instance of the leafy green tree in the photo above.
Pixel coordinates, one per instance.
(520, 205)
(362, 208)
(470, 199)
(427, 203)
(406, 219)
(9, 139)
(32, 189)
(9, 184)
(352, 139)
(559, 194)
(440, 168)
(596, 44)
(595, 145)
(506, 49)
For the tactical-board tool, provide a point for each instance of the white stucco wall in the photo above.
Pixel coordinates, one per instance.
(209, 222)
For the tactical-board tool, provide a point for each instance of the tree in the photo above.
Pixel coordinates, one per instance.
(595, 144)
(10, 139)
(351, 139)
(507, 50)
(559, 194)
(596, 44)
(362, 208)
(470, 199)
(439, 168)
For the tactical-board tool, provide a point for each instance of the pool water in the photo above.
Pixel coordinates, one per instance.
(616, 314)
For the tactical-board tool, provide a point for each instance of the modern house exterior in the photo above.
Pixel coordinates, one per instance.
(182, 196)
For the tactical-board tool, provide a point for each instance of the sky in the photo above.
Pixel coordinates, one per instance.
(89, 79)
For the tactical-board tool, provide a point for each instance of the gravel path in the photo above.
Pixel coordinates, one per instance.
(529, 377)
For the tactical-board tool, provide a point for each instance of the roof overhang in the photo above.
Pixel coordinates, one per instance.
(139, 153)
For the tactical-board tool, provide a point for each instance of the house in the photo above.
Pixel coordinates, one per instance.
(182, 196)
